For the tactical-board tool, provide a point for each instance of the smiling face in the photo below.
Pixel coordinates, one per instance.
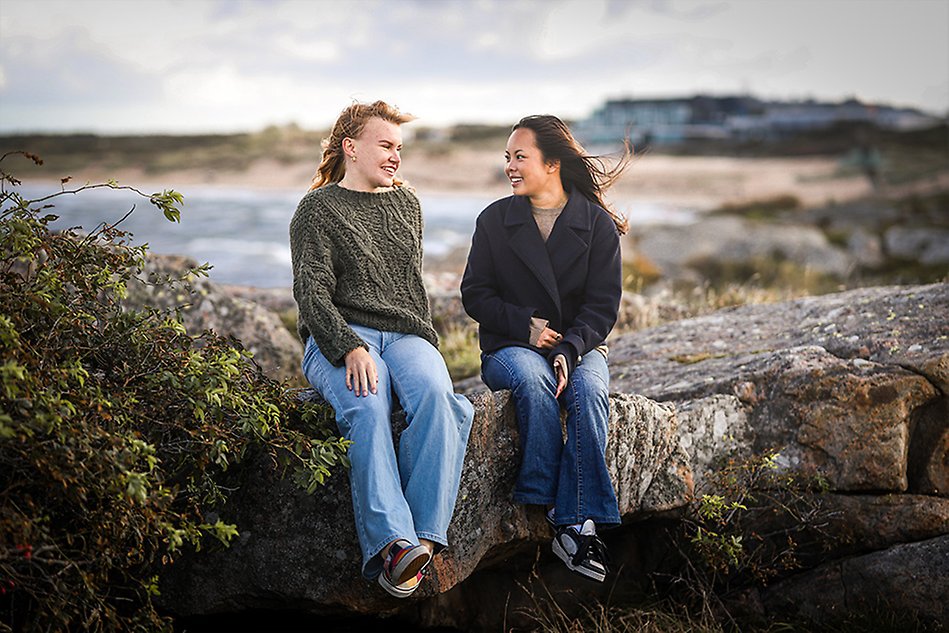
(377, 152)
(529, 173)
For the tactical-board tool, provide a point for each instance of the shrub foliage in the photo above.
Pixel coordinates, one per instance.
(117, 428)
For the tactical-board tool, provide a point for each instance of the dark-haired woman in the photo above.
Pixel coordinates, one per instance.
(356, 246)
(543, 281)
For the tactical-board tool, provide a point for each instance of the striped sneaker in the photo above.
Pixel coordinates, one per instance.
(403, 563)
(404, 590)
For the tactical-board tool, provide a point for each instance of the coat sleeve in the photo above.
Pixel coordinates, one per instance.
(313, 284)
(479, 292)
(603, 290)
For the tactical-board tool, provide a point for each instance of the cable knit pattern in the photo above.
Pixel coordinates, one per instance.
(357, 258)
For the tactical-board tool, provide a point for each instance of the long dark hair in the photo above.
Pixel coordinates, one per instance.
(590, 175)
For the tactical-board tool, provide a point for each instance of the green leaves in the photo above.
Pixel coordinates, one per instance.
(169, 202)
(119, 430)
(745, 528)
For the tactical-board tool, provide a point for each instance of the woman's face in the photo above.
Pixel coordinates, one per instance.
(377, 152)
(529, 174)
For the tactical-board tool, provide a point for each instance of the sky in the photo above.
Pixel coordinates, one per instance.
(193, 66)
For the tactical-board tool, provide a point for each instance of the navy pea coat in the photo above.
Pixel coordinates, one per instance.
(574, 279)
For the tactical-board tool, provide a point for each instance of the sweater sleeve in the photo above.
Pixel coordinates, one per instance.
(314, 283)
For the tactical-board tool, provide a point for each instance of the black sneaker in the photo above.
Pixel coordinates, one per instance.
(549, 517)
(582, 552)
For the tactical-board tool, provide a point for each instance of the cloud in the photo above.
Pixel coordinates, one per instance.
(227, 64)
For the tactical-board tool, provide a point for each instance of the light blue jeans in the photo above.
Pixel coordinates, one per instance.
(412, 496)
(569, 475)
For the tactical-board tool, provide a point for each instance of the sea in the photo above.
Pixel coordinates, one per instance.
(243, 233)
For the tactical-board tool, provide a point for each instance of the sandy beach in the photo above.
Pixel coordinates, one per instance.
(698, 182)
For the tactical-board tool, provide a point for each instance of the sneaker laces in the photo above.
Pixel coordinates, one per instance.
(591, 544)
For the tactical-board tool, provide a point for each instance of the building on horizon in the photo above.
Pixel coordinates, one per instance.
(669, 121)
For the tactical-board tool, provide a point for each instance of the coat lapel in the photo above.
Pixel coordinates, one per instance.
(570, 237)
(528, 245)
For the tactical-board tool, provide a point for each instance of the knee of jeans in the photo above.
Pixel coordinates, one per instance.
(535, 383)
(587, 395)
(364, 417)
(453, 406)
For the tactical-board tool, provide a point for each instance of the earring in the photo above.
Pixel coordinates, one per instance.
(353, 157)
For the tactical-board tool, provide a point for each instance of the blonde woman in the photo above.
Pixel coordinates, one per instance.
(356, 247)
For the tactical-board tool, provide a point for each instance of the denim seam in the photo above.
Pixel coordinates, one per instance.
(577, 450)
(527, 499)
(397, 388)
(359, 520)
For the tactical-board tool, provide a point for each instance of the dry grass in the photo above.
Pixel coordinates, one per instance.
(459, 347)
(599, 618)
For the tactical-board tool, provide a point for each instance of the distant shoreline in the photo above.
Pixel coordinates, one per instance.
(702, 182)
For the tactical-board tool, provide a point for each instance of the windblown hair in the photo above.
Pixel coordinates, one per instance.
(590, 175)
(350, 124)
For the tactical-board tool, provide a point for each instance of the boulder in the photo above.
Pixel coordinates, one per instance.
(299, 551)
(713, 430)
(676, 249)
(207, 306)
(910, 580)
(927, 245)
(277, 300)
(849, 386)
(897, 326)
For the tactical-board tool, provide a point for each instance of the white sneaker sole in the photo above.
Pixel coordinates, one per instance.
(397, 590)
(586, 572)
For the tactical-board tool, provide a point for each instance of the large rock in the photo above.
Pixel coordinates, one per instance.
(300, 552)
(927, 245)
(849, 423)
(713, 430)
(849, 386)
(207, 306)
(901, 326)
(910, 579)
(852, 387)
(730, 239)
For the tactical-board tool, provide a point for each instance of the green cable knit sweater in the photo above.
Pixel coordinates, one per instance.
(357, 258)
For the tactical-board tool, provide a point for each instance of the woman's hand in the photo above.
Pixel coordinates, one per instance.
(560, 371)
(361, 376)
(549, 339)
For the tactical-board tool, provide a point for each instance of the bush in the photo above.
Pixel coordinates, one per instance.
(117, 429)
(762, 209)
(750, 523)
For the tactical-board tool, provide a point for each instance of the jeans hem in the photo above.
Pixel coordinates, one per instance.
(532, 500)
(441, 542)
(560, 521)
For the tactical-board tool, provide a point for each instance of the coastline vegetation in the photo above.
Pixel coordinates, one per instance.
(117, 428)
(904, 156)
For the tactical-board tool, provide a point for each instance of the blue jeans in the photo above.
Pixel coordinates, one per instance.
(411, 496)
(569, 475)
